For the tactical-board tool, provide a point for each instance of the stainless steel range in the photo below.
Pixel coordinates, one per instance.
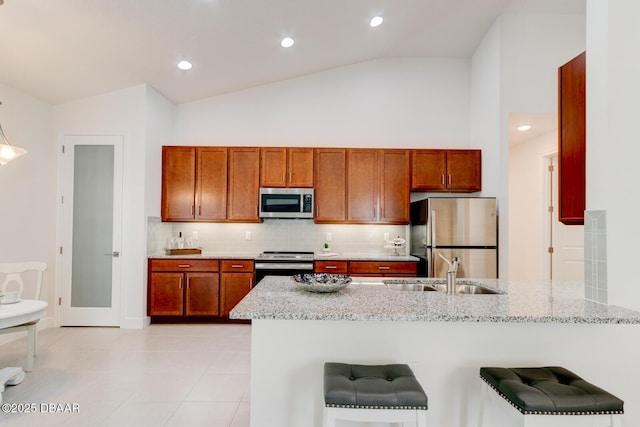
(279, 263)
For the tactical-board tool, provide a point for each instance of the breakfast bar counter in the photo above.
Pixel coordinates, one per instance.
(444, 338)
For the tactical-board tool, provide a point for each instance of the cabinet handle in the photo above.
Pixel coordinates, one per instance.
(442, 179)
(450, 180)
(184, 265)
(192, 210)
(180, 285)
(383, 268)
(331, 267)
(290, 177)
(199, 210)
(237, 265)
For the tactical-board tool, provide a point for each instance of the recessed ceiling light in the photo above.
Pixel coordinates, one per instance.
(184, 65)
(287, 42)
(523, 128)
(376, 21)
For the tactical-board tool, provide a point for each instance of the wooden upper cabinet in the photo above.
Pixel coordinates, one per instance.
(244, 182)
(330, 185)
(300, 167)
(286, 167)
(194, 183)
(378, 186)
(572, 141)
(394, 186)
(211, 183)
(178, 183)
(362, 185)
(446, 170)
(464, 170)
(428, 170)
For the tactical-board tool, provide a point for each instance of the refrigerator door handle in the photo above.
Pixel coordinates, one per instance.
(433, 229)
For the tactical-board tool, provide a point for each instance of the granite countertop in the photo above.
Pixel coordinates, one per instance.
(366, 299)
(335, 256)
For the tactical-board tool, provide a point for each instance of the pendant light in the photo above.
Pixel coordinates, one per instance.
(8, 152)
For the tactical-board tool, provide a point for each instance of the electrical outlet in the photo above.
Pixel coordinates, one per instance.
(327, 236)
(247, 235)
(386, 237)
(195, 235)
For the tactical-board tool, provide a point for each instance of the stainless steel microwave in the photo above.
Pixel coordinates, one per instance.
(286, 203)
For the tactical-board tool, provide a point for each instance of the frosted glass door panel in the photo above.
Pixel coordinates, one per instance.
(91, 275)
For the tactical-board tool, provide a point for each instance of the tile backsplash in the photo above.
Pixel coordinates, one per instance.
(275, 234)
(595, 255)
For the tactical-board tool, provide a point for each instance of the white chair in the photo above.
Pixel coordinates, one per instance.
(14, 276)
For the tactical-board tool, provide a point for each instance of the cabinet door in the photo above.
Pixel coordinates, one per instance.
(165, 294)
(178, 183)
(273, 167)
(572, 141)
(394, 186)
(300, 166)
(244, 180)
(464, 172)
(362, 185)
(233, 287)
(211, 182)
(428, 170)
(202, 294)
(330, 185)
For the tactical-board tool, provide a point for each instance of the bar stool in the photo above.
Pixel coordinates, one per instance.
(373, 393)
(542, 394)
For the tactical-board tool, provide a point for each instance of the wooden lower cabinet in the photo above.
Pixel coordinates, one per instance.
(184, 287)
(383, 268)
(236, 280)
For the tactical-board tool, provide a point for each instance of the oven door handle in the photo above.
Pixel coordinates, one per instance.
(284, 266)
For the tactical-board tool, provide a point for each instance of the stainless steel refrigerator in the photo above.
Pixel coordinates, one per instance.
(457, 226)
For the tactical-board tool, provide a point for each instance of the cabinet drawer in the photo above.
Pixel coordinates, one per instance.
(337, 267)
(184, 265)
(382, 267)
(238, 265)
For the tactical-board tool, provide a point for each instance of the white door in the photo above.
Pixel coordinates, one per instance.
(566, 257)
(91, 217)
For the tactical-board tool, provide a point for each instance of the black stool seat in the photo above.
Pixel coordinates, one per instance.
(372, 387)
(550, 391)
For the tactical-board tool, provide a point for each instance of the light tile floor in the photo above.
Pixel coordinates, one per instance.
(163, 375)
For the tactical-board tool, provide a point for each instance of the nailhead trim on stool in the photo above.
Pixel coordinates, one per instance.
(550, 391)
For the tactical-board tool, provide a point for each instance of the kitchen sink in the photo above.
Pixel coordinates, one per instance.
(410, 286)
(437, 285)
(466, 288)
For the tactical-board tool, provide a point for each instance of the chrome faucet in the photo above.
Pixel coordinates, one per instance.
(451, 273)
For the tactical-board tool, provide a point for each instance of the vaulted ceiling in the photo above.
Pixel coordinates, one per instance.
(68, 49)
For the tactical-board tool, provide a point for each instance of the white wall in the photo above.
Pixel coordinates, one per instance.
(528, 231)
(28, 188)
(120, 112)
(524, 53)
(612, 148)
(486, 126)
(401, 102)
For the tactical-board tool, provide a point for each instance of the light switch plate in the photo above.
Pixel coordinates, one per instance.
(247, 235)
(327, 236)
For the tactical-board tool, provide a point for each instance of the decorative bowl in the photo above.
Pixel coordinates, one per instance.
(321, 282)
